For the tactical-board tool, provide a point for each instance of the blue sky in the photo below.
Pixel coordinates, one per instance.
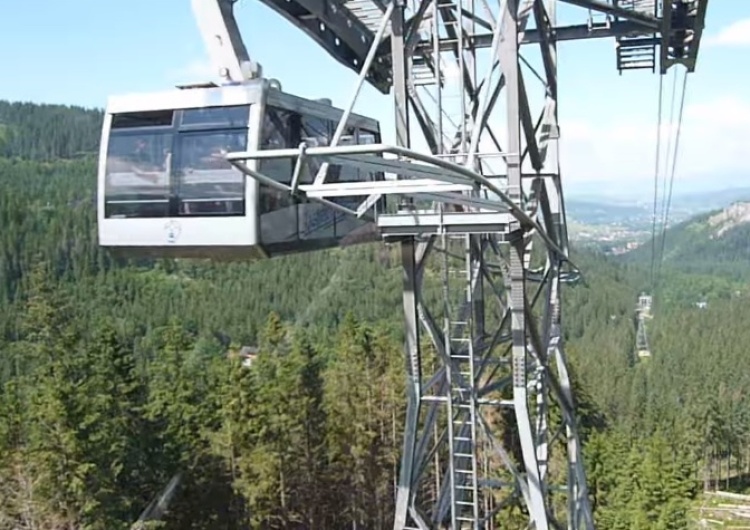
(79, 51)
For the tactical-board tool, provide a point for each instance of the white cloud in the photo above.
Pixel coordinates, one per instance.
(713, 146)
(735, 34)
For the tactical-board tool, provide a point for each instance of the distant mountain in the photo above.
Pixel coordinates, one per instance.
(715, 243)
(601, 212)
(593, 209)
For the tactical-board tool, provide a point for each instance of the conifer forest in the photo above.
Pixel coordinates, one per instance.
(119, 377)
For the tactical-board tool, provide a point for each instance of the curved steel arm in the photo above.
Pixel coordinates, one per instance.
(238, 159)
(221, 35)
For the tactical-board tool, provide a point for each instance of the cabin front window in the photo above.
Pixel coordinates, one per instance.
(137, 175)
(205, 182)
(171, 163)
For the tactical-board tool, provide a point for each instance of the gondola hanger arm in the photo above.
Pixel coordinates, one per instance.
(221, 35)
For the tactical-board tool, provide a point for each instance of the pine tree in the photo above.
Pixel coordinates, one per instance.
(358, 441)
(57, 458)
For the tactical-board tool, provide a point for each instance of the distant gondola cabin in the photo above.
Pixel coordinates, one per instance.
(166, 189)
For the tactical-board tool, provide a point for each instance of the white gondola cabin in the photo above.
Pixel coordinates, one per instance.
(166, 189)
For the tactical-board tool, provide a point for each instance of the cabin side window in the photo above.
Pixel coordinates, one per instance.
(284, 219)
(137, 174)
(346, 224)
(234, 117)
(277, 208)
(206, 184)
(171, 163)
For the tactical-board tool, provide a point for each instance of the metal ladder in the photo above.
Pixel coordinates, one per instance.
(462, 425)
(637, 52)
(423, 64)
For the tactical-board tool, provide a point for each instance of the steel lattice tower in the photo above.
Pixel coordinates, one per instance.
(490, 419)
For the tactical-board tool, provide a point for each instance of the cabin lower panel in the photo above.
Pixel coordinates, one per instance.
(181, 237)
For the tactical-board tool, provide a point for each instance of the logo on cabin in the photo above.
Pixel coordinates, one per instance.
(173, 229)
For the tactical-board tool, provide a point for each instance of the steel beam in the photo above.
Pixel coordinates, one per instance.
(338, 31)
(347, 39)
(435, 223)
(647, 22)
(496, 334)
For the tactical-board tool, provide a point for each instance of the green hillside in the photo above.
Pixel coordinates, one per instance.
(715, 243)
(48, 132)
(114, 375)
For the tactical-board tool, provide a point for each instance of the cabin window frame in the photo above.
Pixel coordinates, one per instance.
(178, 181)
(176, 131)
(113, 208)
(317, 125)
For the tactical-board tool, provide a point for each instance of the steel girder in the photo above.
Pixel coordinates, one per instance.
(344, 28)
(490, 420)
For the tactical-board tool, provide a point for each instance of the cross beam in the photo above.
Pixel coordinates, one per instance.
(344, 29)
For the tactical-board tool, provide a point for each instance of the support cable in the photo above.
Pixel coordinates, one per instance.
(668, 153)
(656, 179)
(671, 177)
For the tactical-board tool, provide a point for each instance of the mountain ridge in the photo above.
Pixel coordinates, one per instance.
(716, 242)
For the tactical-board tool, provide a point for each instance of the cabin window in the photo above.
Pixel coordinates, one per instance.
(205, 183)
(316, 132)
(153, 170)
(156, 118)
(344, 173)
(284, 218)
(277, 208)
(216, 117)
(344, 223)
(281, 130)
(137, 175)
(368, 137)
(278, 216)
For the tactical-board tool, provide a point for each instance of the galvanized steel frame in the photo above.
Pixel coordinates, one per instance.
(516, 362)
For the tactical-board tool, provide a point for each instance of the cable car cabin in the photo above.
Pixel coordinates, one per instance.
(165, 188)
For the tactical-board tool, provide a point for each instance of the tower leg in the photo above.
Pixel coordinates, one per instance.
(498, 365)
(405, 491)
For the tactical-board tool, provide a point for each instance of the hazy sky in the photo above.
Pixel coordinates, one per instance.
(80, 51)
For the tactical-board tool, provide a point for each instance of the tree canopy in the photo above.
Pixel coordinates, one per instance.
(117, 376)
